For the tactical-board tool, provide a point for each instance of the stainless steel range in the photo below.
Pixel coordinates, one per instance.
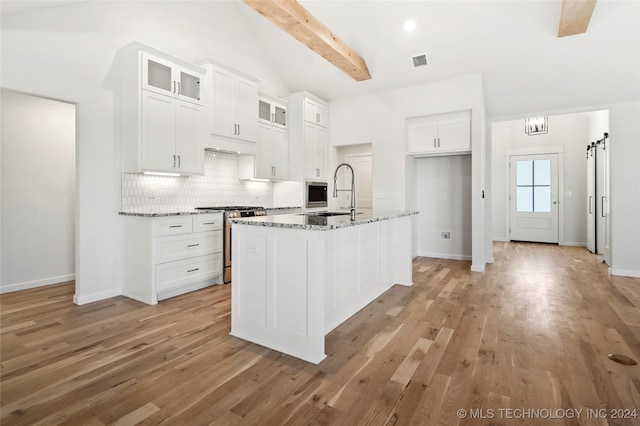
(232, 212)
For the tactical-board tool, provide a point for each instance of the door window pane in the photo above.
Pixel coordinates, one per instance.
(542, 199)
(525, 172)
(533, 186)
(524, 199)
(542, 172)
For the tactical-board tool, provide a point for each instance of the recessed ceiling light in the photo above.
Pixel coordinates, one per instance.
(410, 26)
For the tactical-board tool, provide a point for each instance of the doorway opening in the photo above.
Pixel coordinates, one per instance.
(38, 187)
(361, 159)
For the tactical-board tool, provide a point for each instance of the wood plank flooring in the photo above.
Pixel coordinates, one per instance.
(524, 343)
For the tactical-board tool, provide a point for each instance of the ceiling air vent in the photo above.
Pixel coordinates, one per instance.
(419, 61)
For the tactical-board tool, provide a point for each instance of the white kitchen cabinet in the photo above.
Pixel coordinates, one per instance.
(316, 112)
(233, 110)
(438, 134)
(271, 158)
(308, 138)
(315, 152)
(167, 78)
(162, 116)
(168, 256)
(272, 111)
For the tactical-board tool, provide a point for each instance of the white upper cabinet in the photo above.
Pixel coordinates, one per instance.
(316, 112)
(316, 147)
(271, 159)
(271, 111)
(440, 134)
(308, 137)
(233, 110)
(164, 77)
(162, 112)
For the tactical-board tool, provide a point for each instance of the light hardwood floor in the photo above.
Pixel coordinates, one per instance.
(532, 332)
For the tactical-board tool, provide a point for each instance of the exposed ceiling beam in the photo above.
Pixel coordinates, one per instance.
(306, 28)
(575, 16)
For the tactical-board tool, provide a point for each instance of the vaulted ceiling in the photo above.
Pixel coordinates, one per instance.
(514, 45)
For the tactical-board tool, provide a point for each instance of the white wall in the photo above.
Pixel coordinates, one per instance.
(443, 196)
(380, 120)
(569, 132)
(38, 191)
(66, 52)
(625, 188)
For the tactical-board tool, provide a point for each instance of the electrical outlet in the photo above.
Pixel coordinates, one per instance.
(445, 235)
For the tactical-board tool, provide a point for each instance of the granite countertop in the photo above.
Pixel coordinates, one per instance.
(163, 214)
(312, 221)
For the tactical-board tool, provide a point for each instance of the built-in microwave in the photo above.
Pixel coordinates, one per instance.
(316, 194)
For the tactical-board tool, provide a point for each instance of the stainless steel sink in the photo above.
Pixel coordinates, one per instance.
(328, 214)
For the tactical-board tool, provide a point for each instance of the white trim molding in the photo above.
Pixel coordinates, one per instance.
(37, 283)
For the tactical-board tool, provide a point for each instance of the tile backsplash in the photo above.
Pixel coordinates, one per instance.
(218, 187)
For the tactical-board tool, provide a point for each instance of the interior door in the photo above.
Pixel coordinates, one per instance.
(534, 198)
(362, 169)
(591, 202)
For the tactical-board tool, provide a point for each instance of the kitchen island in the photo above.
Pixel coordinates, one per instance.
(298, 276)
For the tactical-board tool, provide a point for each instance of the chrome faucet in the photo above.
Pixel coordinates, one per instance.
(352, 190)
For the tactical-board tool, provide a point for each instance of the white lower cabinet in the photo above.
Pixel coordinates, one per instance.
(168, 256)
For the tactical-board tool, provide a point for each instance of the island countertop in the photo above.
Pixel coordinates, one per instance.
(314, 221)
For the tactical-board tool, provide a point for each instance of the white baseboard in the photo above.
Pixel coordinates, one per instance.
(444, 256)
(477, 268)
(501, 239)
(624, 273)
(90, 298)
(37, 283)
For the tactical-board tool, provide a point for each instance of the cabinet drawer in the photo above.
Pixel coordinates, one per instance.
(203, 223)
(184, 246)
(184, 272)
(172, 225)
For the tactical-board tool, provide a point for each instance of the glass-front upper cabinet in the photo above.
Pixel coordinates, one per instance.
(272, 110)
(167, 78)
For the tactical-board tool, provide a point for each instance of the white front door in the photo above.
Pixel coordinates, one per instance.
(534, 198)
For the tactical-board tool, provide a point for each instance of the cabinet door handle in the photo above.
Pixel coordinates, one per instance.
(179, 161)
(434, 143)
(193, 245)
(602, 207)
(179, 89)
(238, 130)
(317, 117)
(209, 223)
(175, 226)
(275, 170)
(174, 160)
(193, 270)
(590, 203)
(438, 142)
(174, 86)
(317, 172)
